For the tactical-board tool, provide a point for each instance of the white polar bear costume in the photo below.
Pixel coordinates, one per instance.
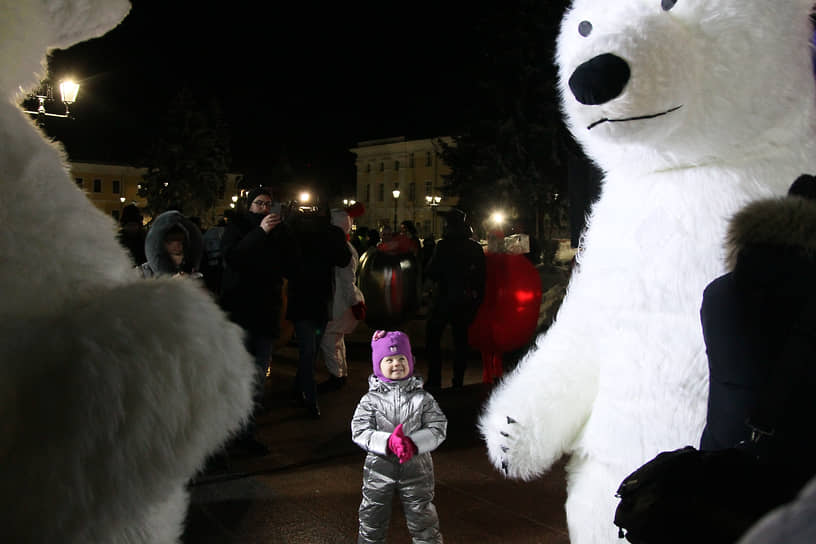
(691, 108)
(113, 389)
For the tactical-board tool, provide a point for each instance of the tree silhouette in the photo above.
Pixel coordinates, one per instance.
(189, 158)
(511, 156)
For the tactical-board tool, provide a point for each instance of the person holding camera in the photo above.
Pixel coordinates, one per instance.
(257, 249)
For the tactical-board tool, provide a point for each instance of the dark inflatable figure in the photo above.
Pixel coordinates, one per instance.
(390, 282)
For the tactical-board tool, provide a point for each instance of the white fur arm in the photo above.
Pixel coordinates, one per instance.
(537, 411)
(119, 399)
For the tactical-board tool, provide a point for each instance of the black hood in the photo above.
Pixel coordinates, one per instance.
(157, 259)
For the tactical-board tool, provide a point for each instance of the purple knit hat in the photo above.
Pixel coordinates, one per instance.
(385, 343)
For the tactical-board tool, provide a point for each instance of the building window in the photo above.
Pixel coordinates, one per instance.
(427, 158)
(380, 192)
(396, 166)
(382, 166)
(410, 160)
(412, 192)
(97, 186)
(428, 188)
(368, 168)
(368, 193)
(115, 214)
(116, 187)
(78, 182)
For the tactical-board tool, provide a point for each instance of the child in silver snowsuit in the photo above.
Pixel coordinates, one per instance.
(398, 423)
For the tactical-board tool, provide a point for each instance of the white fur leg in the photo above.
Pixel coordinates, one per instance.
(591, 502)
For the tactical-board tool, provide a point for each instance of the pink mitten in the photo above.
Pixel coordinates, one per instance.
(396, 442)
(408, 449)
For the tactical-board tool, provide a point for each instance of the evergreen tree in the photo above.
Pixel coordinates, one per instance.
(188, 160)
(510, 156)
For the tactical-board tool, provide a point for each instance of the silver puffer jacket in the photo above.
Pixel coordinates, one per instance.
(386, 405)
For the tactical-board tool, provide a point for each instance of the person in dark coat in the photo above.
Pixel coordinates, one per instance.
(755, 325)
(321, 246)
(258, 250)
(173, 247)
(132, 233)
(457, 268)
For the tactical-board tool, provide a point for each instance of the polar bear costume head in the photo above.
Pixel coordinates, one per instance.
(659, 84)
(691, 108)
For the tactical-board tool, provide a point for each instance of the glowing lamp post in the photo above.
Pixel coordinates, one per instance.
(395, 193)
(68, 95)
(433, 202)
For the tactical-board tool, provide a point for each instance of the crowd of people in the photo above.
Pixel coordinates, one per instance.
(268, 265)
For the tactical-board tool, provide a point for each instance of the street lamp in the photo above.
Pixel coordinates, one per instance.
(68, 94)
(395, 193)
(433, 202)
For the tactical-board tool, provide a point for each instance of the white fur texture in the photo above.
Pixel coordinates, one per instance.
(622, 375)
(113, 389)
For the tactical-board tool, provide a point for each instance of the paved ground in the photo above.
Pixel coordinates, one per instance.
(308, 489)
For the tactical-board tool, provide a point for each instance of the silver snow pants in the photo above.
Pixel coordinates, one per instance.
(414, 481)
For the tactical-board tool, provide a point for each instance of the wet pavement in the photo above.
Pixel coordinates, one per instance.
(307, 490)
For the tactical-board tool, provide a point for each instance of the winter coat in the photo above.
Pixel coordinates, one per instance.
(346, 292)
(320, 247)
(255, 264)
(158, 261)
(458, 268)
(747, 317)
(386, 405)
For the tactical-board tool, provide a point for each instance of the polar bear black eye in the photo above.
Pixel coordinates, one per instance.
(585, 28)
(668, 4)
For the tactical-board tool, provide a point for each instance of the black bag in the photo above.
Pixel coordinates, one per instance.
(687, 495)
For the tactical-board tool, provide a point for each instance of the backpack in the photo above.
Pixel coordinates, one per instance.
(688, 495)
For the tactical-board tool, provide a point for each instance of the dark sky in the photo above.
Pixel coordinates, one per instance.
(311, 79)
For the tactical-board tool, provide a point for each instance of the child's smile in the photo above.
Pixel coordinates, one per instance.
(394, 367)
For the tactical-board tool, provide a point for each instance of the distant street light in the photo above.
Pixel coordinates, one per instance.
(68, 95)
(433, 202)
(396, 194)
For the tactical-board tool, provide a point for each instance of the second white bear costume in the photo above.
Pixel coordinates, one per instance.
(692, 108)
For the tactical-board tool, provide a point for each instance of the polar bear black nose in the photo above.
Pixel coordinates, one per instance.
(600, 79)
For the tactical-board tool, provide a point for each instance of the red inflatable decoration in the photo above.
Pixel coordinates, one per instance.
(508, 316)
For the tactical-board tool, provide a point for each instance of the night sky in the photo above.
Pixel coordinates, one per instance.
(308, 80)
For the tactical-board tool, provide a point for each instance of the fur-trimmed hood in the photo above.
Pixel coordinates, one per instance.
(778, 222)
(157, 259)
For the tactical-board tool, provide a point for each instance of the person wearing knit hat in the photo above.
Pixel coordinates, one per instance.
(399, 424)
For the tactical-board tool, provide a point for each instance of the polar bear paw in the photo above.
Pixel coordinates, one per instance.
(510, 446)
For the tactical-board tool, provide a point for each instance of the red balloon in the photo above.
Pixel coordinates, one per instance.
(508, 316)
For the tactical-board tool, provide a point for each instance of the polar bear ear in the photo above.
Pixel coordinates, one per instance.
(29, 28)
(74, 21)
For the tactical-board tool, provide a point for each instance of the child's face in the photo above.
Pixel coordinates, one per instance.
(395, 367)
